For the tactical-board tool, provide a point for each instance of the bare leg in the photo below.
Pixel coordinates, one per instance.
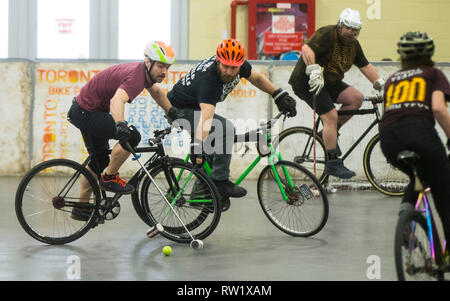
(329, 134)
(351, 99)
(118, 157)
(85, 187)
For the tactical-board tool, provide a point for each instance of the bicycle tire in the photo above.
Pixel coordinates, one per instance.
(34, 186)
(412, 251)
(199, 220)
(136, 195)
(299, 209)
(298, 148)
(382, 175)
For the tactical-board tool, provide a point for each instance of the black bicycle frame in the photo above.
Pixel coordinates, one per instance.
(374, 110)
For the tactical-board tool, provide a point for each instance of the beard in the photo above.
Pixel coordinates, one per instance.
(347, 39)
(226, 79)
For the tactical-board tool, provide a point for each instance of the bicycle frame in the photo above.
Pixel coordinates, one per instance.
(435, 243)
(374, 111)
(273, 155)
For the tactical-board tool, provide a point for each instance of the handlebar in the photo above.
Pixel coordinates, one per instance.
(374, 99)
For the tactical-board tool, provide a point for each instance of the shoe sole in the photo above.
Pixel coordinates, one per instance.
(80, 219)
(344, 178)
(126, 192)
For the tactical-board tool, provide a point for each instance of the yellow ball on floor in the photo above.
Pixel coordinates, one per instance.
(167, 250)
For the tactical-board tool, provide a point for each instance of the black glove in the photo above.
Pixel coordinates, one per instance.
(197, 152)
(174, 114)
(123, 132)
(285, 103)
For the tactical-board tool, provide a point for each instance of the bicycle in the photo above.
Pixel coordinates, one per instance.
(419, 254)
(50, 191)
(290, 196)
(297, 143)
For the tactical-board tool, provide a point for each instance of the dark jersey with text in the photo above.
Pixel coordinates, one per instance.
(336, 57)
(202, 84)
(408, 92)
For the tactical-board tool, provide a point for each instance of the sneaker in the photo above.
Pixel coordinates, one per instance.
(83, 215)
(337, 169)
(229, 189)
(115, 184)
(338, 149)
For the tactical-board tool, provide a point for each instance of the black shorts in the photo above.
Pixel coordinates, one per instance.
(96, 128)
(327, 97)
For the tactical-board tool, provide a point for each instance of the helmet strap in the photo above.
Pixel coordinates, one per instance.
(149, 71)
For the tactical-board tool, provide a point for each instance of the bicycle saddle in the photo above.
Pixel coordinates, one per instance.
(408, 157)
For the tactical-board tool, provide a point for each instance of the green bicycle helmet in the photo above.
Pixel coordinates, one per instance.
(414, 44)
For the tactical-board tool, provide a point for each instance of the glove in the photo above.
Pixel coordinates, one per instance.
(285, 103)
(197, 152)
(379, 85)
(316, 81)
(174, 114)
(123, 132)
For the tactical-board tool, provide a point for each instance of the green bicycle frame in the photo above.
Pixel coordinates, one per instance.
(273, 155)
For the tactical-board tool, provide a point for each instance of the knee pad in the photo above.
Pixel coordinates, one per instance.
(134, 139)
(99, 162)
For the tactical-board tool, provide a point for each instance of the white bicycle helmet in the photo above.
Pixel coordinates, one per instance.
(160, 52)
(350, 18)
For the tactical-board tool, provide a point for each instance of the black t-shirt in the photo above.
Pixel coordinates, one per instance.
(408, 92)
(336, 57)
(202, 84)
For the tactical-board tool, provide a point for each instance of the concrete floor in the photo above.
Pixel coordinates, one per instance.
(244, 247)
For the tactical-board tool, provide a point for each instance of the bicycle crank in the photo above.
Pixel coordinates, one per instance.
(108, 209)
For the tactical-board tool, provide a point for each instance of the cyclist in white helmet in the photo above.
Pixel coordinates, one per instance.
(326, 56)
(98, 111)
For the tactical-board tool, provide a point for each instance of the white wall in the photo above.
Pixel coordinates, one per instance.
(15, 99)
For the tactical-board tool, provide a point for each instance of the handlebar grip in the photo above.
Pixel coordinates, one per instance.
(374, 99)
(130, 149)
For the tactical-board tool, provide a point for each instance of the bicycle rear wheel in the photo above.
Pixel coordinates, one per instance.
(296, 144)
(46, 197)
(191, 193)
(381, 174)
(412, 249)
(305, 212)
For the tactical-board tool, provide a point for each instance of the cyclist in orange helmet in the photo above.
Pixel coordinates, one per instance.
(196, 96)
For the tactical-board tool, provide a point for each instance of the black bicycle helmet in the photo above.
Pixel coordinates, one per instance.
(413, 44)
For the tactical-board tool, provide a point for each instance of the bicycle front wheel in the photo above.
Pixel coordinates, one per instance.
(192, 195)
(412, 249)
(381, 174)
(296, 144)
(293, 199)
(47, 196)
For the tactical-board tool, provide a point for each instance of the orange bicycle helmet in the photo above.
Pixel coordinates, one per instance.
(231, 52)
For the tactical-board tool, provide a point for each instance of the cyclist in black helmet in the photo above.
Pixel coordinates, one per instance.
(415, 97)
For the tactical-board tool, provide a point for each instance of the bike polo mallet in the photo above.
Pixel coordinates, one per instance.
(314, 131)
(195, 243)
